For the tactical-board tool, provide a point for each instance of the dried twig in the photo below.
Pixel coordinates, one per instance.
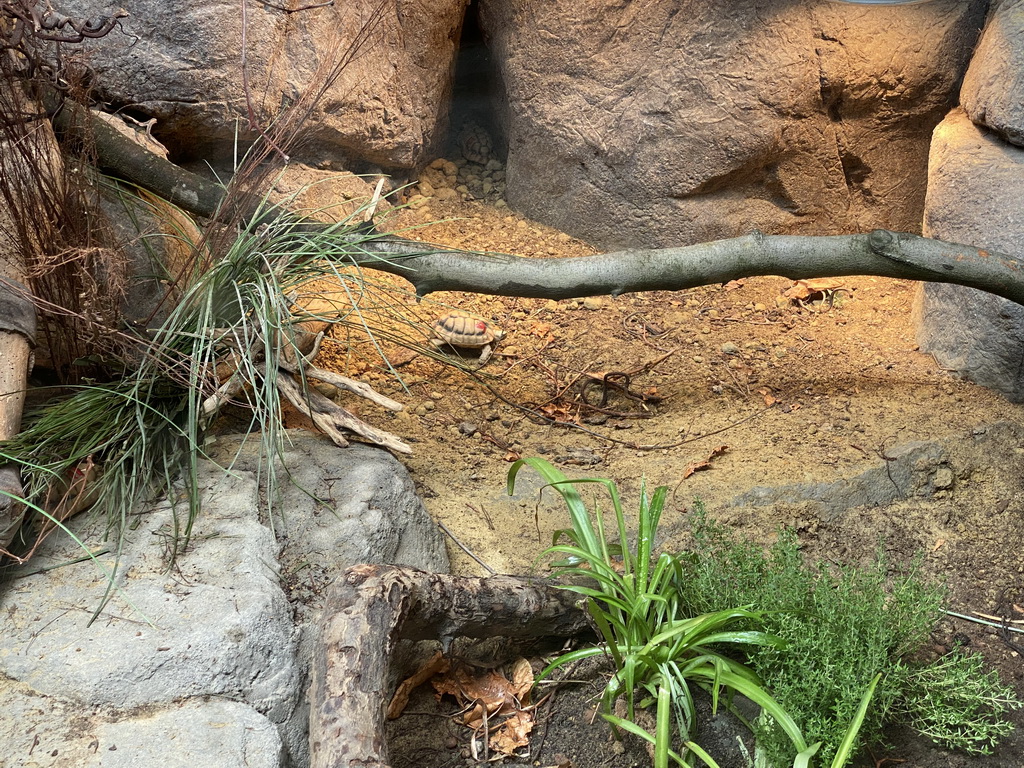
(331, 418)
(464, 548)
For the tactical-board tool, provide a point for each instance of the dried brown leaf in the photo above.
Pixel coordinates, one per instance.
(522, 681)
(437, 664)
(513, 733)
(699, 466)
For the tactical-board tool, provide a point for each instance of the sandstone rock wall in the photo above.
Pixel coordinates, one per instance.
(181, 62)
(678, 121)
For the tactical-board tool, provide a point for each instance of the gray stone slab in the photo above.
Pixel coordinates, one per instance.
(196, 734)
(916, 469)
(218, 623)
(993, 89)
(212, 646)
(975, 189)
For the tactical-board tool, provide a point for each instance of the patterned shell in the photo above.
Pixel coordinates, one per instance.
(461, 329)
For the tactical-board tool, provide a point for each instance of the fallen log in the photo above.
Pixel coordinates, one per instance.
(372, 607)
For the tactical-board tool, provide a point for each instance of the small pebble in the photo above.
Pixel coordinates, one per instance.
(730, 349)
(943, 478)
(327, 390)
(593, 302)
(467, 428)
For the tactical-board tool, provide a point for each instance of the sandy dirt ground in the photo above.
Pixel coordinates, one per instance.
(713, 392)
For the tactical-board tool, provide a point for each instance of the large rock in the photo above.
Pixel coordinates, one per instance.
(53, 732)
(993, 90)
(211, 652)
(181, 62)
(975, 188)
(676, 121)
(218, 624)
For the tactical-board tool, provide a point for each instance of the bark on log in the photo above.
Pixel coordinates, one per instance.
(371, 607)
(132, 161)
(431, 268)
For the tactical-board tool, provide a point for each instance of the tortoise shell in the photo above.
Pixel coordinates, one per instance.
(461, 329)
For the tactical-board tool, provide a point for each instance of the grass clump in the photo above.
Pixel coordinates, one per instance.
(235, 329)
(657, 652)
(841, 627)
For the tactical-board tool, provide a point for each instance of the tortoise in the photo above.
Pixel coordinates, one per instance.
(460, 330)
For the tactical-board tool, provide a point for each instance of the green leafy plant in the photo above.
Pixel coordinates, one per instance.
(634, 603)
(957, 703)
(842, 627)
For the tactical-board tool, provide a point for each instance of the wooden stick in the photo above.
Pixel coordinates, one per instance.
(331, 418)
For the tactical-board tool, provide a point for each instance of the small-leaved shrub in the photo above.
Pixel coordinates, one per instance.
(843, 626)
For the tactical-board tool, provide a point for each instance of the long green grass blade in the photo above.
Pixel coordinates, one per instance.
(636, 730)
(844, 753)
(702, 754)
(568, 658)
(578, 514)
(759, 696)
(662, 731)
(803, 759)
(602, 620)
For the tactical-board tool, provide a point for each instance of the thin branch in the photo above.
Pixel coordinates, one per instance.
(311, 6)
(331, 418)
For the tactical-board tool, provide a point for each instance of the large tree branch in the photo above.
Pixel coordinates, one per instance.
(432, 268)
(881, 252)
(133, 162)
